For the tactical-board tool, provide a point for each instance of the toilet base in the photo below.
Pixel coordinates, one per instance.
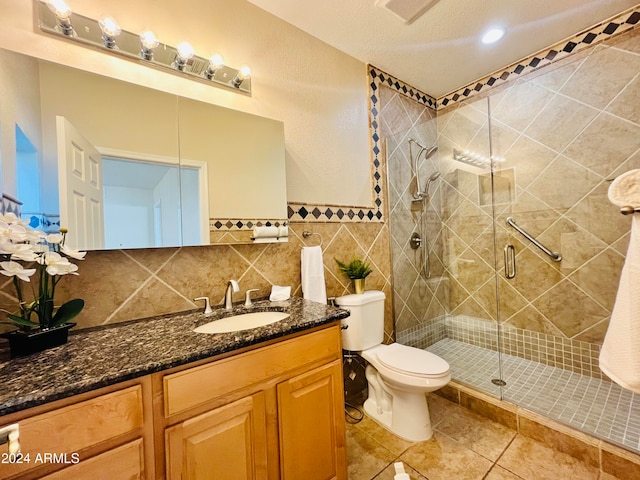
(403, 413)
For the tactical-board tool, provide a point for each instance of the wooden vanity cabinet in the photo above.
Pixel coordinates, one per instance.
(276, 412)
(268, 412)
(104, 434)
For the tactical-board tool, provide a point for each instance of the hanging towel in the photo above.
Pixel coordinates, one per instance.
(312, 268)
(624, 191)
(620, 354)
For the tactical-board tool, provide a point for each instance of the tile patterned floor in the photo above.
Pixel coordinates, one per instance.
(598, 407)
(465, 446)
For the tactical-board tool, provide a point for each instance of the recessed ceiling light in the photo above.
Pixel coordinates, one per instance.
(492, 35)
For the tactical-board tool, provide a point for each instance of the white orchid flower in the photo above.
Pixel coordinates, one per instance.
(57, 264)
(70, 252)
(13, 232)
(19, 251)
(11, 269)
(54, 238)
(9, 217)
(62, 269)
(35, 236)
(51, 258)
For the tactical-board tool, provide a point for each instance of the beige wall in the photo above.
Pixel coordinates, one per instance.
(318, 92)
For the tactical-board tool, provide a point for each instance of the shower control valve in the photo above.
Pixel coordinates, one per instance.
(416, 241)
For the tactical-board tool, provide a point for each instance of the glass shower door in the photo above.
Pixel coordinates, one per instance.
(472, 345)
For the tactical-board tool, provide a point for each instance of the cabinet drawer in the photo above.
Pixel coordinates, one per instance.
(76, 427)
(195, 386)
(122, 463)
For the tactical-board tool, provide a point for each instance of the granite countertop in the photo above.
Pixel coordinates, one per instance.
(102, 356)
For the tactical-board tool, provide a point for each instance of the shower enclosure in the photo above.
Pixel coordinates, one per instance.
(524, 249)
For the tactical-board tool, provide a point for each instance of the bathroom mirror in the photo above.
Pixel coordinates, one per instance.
(125, 166)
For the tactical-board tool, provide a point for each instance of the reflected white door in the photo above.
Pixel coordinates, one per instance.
(80, 178)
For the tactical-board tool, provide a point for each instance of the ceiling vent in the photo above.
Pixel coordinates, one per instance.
(406, 10)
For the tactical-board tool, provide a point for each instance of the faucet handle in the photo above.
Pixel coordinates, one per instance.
(207, 305)
(247, 296)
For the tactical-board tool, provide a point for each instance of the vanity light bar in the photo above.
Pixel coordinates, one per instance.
(144, 48)
(475, 159)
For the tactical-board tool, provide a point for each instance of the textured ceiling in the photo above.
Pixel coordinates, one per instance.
(440, 51)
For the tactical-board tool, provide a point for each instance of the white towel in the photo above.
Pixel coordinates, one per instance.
(620, 354)
(624, 191)
(312, 268)
(270, 234)
(265, 232)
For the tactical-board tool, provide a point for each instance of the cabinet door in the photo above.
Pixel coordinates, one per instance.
(311, 416)
(229, 442)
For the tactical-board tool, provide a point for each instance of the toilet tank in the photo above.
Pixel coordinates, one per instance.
(365, 324)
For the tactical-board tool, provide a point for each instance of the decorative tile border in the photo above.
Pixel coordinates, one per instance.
(587, 38)
(377, 77)
(236, 224)
(302, 212)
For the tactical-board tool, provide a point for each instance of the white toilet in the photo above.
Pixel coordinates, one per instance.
(399, 376)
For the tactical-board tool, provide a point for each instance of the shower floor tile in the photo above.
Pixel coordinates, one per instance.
(598, 407)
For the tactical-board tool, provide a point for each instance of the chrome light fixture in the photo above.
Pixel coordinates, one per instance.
(110, 30)
(62, 11)
(56, 18)
(148, 41)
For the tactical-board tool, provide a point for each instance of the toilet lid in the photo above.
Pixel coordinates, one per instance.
(412, 360)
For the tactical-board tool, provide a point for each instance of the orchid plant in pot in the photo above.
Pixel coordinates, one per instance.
(41, 324)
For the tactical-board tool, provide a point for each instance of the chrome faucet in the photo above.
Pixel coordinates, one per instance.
(232, 287)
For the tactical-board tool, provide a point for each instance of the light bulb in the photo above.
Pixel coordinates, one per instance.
(184, 53)
(148, 42)
(60, 8)
(215, 62)
(243, 73)
(62, 12)
(110, 30)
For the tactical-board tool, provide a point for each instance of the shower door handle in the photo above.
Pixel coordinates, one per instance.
(509, 261)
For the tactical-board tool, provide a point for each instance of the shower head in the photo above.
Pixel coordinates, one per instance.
(429, 151)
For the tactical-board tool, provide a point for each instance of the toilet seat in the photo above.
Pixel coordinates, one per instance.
(412, 361)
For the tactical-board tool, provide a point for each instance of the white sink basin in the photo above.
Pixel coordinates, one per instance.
(245, 321)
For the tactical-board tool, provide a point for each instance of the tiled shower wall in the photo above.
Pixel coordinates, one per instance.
(564, 132)
(121, 285)
(417, 297)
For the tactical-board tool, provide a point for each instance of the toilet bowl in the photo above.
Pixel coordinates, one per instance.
(398, 376)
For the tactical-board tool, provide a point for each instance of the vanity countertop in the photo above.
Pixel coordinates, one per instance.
(102, 356)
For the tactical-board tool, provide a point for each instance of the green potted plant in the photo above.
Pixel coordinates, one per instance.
(357, 270)
(41, 324)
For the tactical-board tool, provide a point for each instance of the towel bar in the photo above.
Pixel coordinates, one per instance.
(307, 234)
(629, 210)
